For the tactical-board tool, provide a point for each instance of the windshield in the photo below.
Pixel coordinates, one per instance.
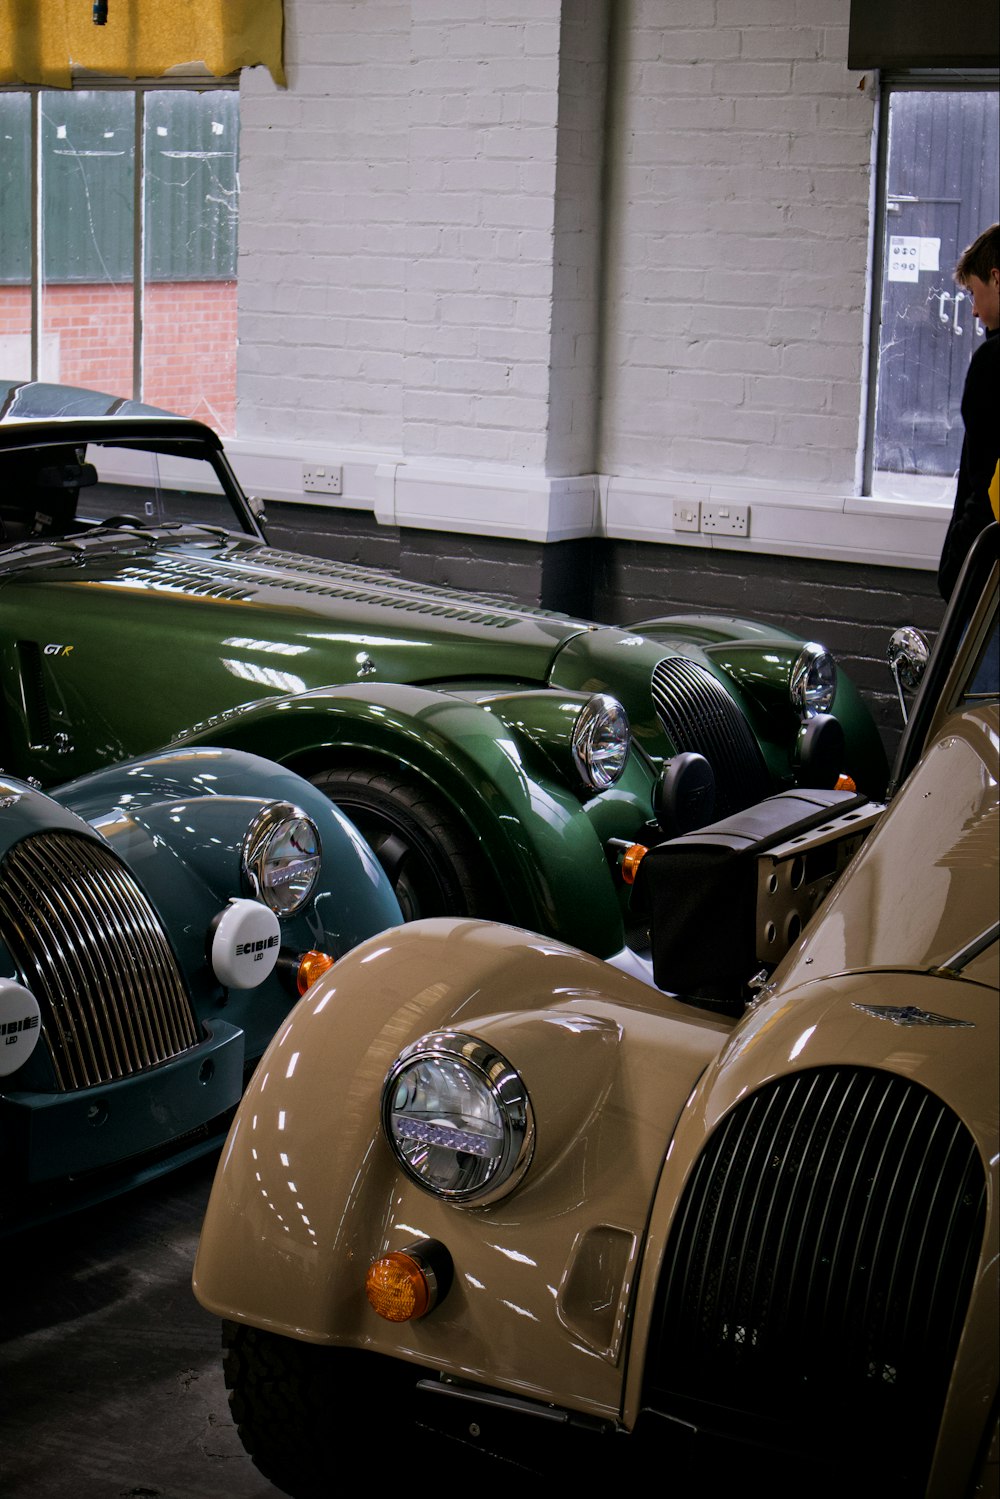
(984, 679)
(67, 490)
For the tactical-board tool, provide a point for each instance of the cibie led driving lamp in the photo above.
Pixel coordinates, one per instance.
(601, 741)
(282, 857)
(812, 681)
(458, 1118)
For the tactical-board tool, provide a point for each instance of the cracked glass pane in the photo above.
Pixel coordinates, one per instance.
(89, 316)
(191, 150)
(87, 166)
(943, 170)
(15, 236)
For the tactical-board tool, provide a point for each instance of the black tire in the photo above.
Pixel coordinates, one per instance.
(301, 1410)
(433, 863)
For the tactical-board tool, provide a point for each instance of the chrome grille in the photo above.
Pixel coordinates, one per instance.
(697, 713)
(91, 949)
(821, 1264)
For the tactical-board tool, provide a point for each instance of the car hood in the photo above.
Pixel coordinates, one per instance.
(921, 894)
(333, 621)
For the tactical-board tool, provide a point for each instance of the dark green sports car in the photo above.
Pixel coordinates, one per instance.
(498, 759)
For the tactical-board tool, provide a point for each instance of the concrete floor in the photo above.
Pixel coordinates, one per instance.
(110, 1372)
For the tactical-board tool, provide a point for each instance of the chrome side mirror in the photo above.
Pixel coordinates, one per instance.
(908, 654)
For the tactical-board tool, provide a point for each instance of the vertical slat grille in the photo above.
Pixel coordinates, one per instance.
(822, 1260)
(91, 948)
(697, 713)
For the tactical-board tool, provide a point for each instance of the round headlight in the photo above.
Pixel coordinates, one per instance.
(812, 682)
(458, 1118)
(281, 858)
(601, 741)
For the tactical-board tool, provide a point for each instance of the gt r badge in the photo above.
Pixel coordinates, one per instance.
(911, 1015)
(54, 649)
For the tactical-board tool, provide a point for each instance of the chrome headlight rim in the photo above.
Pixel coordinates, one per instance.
(812, 681)
(284, 881)
(488, 1069)
(602, 738)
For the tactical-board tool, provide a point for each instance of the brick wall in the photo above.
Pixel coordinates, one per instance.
(323, 245)
(737, 266)
(189, 341)
(628, 238)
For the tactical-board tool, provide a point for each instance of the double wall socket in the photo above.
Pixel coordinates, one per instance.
(322, 478)
(725, 519)
(713, 518)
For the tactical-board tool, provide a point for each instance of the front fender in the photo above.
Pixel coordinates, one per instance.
(545, 852)
(308, 1192)
(141, 809)
(835, 1025)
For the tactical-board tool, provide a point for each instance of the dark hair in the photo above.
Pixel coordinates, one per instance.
(981, 257)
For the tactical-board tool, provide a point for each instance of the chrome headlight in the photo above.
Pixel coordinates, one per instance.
(601, 741)
(282, 856)
(458, 1118)
(812, 682)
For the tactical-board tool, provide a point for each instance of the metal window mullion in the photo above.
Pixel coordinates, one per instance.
(138, 243)
(36, 230)
(881, 126)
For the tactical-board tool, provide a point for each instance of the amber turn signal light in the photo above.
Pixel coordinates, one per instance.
(408, 1283)
(631, 859)
(312, 965)
(845, 783)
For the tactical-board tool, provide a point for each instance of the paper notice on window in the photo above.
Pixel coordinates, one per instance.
(930, 254)
(908, 256)
(904, 258)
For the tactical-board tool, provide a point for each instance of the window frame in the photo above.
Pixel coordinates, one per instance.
(913, 80)
(139, 88)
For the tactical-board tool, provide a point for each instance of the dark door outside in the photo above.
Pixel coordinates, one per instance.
(942, 191)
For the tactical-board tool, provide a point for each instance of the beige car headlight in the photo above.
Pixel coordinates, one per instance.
(458, 1118)
(812, 681)
(282, 857)
(601, 741)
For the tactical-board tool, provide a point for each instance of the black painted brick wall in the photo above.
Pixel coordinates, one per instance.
(850, 608)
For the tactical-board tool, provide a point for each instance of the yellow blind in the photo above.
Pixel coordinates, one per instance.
(46, 41)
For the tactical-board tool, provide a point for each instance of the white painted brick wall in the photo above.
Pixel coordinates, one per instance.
(574, 369)
(482, 162)
(428, 268)
(323, 245)
(741, 148)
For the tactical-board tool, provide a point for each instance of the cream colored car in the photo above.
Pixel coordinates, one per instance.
(489, 1192)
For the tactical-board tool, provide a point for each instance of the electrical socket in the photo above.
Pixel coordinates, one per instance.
(726, 520)
(322, 478)
(687, 515)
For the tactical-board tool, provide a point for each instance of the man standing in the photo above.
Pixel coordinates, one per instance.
(978, 271)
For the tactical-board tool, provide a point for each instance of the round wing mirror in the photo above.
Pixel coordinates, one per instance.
(908, 653)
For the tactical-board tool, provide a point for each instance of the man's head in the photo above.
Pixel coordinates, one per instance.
(978, 271)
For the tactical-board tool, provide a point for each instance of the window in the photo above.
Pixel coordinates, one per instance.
(939, 184)
(122, 177)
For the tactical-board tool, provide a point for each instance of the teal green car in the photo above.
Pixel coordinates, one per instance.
(498, 759)
(159, 919)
